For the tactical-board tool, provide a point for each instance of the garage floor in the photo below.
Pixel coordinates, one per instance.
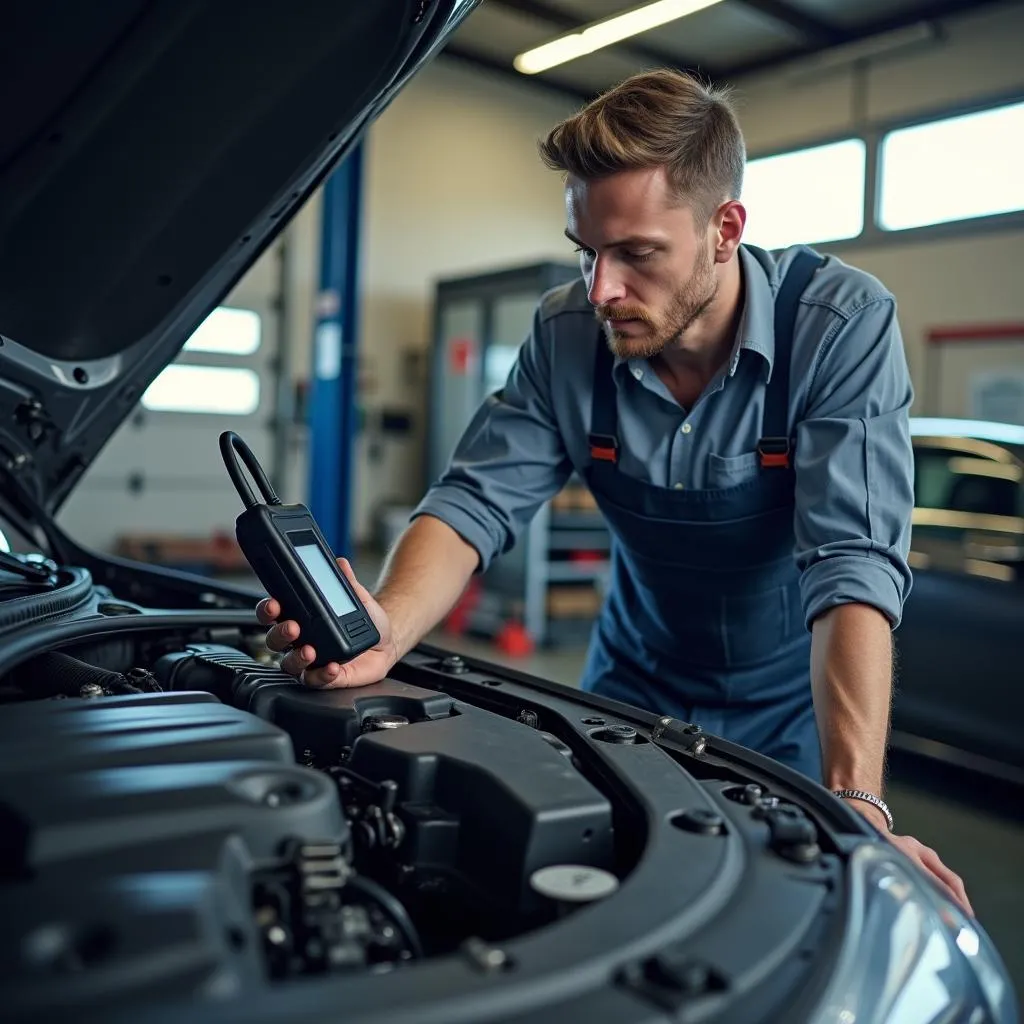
(978, 830)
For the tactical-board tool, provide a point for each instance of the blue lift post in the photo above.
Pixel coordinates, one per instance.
(333, 421)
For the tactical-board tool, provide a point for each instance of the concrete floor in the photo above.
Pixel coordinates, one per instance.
(977, 829)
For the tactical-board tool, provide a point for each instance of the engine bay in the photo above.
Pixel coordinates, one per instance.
(184, 823)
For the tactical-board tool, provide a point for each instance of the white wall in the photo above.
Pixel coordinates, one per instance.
(453, 186)
(964, 280)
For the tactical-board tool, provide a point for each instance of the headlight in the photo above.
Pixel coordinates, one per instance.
(909, 956)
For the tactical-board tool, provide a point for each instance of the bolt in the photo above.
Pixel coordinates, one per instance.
(700, 820)
(454, 664)
(592, 721)
(276, 935)
(91, 690)
(378, 723)
(618, 734)
(699, 746)
(659, 729)
(530, 718)
(751, 794)
(484, 957)
(763, 805)
(281, 796)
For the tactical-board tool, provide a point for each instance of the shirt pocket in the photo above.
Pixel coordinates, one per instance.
(730, 470)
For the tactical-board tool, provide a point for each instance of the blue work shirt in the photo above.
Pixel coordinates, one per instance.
(849, 408)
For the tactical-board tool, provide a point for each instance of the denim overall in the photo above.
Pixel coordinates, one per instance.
(704, 620)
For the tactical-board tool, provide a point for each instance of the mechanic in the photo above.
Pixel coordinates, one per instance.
(742, 421)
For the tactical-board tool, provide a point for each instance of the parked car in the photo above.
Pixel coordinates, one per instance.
(186, 833)
(960, 646)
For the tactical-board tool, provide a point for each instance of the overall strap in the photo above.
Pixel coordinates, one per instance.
(775, 445)
(604, 411)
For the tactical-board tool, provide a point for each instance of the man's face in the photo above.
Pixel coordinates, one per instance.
(650, 275)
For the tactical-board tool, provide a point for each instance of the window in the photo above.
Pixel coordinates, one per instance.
(953, 169)
(190, 387)
(227, 331)
(226, 390)
(810, 195)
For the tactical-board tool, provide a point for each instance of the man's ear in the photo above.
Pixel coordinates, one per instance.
(727, 224)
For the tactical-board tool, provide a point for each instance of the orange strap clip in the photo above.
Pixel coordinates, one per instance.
(774, 452)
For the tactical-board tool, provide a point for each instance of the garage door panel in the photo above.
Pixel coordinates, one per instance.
(164, 505)
(188, 444)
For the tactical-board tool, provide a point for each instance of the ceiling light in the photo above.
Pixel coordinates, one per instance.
(605, 33)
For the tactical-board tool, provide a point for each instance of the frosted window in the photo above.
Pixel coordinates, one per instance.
(960, 167)
(228, 331)
(204, 389)
(809, 195)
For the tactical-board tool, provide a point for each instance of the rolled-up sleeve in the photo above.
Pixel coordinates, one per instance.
(855, 469)
(510, 459)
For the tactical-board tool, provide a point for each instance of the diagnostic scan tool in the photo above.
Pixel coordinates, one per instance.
(290, 556)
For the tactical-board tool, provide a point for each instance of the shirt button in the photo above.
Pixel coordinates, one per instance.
(637, 372)
(686, 428)
(677, 487)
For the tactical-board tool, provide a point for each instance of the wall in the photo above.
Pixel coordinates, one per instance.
(453, 186)
(972, 278)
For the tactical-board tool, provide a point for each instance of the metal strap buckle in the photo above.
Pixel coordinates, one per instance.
(604, 447)
(774, 452)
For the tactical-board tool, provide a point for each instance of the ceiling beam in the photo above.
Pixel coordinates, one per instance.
(933, 12)
(495, 67)
(813, 29)
(641, 52)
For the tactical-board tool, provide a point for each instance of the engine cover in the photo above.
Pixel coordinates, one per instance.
(482, 802)
(131, 830)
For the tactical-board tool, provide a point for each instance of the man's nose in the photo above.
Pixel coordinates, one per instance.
(604, 285)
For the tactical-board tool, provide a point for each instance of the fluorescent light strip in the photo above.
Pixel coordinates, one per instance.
(605, 33)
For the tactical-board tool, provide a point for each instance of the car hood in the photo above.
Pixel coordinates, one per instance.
(151, 150)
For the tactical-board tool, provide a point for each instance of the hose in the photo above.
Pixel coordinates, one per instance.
(393, 908)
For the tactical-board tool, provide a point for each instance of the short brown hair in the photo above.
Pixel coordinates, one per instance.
(659, 118)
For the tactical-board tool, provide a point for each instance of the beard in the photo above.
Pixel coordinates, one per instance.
(651, 334)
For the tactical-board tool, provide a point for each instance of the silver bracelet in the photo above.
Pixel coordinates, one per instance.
(870, 798)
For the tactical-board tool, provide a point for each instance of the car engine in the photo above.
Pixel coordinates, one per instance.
(186, 832)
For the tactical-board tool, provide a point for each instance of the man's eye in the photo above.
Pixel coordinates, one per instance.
(589, 253)
(640, 257)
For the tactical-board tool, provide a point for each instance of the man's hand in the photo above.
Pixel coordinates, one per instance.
(369, 667)
(924, 857)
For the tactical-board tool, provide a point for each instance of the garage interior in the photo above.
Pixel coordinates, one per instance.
(354, 351)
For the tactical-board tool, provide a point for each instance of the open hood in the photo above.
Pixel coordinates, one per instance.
(150, 151)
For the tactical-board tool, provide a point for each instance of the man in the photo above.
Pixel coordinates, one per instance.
(728, 411)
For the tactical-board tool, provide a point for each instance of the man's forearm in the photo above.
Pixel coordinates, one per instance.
(851, 678)
(423, 577)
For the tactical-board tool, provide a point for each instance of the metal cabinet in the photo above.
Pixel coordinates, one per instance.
(551, 580)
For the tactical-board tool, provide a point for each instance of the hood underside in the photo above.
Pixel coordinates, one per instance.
(150, 152)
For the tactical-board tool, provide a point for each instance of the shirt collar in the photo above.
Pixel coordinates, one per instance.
(756, 331)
